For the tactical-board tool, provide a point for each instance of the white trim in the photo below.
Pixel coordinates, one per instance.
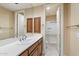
(60, 24)
(15, 24)
(58, 30)
(62, 30)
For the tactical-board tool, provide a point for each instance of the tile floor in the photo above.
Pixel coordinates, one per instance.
(51, 50)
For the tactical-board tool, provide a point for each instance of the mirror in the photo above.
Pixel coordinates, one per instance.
(6, 24)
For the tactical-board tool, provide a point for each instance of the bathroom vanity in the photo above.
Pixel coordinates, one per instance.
(32, 46)
(34, 50)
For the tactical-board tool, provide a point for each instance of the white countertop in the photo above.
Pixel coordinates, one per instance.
(13, 47)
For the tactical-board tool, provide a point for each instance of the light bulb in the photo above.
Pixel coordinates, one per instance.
(47, 8)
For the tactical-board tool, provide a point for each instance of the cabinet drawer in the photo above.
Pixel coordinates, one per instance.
(34, 53)
(25, 53)
(30, 49)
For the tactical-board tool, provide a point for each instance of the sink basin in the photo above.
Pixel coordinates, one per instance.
(27, 40)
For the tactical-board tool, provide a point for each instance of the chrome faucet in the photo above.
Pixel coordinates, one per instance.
(23, 38)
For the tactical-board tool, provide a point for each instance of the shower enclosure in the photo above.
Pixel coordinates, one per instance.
(51, 38)
(54, 30)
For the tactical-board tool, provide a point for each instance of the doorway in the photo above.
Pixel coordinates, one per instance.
(53, 35)
(20, 23)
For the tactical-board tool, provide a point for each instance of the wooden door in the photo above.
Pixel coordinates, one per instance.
(37, 24)
(29, 25)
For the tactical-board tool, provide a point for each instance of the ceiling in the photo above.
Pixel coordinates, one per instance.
(19, 6)
(53, 9)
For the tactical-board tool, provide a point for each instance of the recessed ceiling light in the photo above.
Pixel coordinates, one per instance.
(47, 8)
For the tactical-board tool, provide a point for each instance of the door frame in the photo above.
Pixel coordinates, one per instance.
(61, 40)
(61, 44)
(16, 21)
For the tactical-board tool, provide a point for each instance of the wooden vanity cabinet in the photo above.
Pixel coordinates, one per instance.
(31, 48)
(25, 53)
(40, 48)
(34, 50)
(37, 25)
(29, 25)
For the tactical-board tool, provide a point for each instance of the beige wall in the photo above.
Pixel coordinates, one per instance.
(6, 21)
(66, 8)
(74, 20)
(71, 41)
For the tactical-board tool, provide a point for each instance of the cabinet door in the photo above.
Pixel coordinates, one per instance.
(37, 24)
(35, 52)
(40, 48)
(31, 48)
(29, 25)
